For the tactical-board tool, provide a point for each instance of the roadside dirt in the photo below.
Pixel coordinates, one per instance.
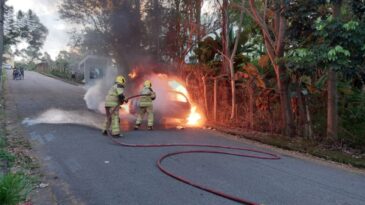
(27, 160)
(246, 137)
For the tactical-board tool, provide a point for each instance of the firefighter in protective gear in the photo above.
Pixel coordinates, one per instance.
(146, 105)
(113, 100)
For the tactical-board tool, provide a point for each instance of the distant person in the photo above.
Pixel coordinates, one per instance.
(146, 105)
(22, 71)
(16, 74)
(113, 100)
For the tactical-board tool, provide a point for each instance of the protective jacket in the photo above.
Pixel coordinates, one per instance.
(146, 101)
(115, 96)
(146, 106)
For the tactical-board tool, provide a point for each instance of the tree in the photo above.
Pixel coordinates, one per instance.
(2, 3)
(332, 101)
(36, 31)
(67, 60)
(154, 26)
(330, 46)
(25, 28)
(273, 25)
(11, 32)
(115, 24)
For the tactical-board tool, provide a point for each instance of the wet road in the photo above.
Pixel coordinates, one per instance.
(98, 172)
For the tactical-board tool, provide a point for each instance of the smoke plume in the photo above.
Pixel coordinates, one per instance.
(97, 90)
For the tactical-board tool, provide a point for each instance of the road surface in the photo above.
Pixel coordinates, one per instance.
(98, 172)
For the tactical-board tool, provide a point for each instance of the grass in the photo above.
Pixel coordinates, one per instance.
(301, 145)
(6, 159)
(61, 76)
(315, 149)
(13, 188)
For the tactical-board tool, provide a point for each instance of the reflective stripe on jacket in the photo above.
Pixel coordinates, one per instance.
(112, 99)
(146, 101)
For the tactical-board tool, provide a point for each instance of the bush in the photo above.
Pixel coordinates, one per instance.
(352, 113)
(6, 157)
(13, 189)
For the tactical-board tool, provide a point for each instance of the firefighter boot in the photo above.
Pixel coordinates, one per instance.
(137, 126)
(118, 136)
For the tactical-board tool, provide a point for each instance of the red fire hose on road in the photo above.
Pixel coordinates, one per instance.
(264, 155)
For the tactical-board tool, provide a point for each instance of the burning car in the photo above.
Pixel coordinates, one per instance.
(178, 106)
(172, 104)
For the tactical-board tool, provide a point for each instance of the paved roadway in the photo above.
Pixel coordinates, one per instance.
(100, 173)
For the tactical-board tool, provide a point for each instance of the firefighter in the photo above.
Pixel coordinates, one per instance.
(113, 100)
(146, 105)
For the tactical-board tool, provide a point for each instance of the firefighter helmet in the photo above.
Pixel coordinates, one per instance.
(147, 84)
(120, 79)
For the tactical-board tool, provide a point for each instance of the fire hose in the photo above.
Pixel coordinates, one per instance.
(117, 107)
(262, 155)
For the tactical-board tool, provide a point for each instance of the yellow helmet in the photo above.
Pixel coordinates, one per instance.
(120, 79)
(147, 84)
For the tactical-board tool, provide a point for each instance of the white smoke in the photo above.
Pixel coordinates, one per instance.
(56, 116)
(164, 105)
(97, 90)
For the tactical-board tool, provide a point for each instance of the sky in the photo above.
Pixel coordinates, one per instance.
(58, 36)
(46, 10)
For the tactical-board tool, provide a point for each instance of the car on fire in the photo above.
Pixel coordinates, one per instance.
(176, 106)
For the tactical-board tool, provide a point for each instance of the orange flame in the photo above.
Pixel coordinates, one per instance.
(133, 74)
(161, 75)
(195, 118)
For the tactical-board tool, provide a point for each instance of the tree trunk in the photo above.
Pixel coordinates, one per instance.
(233, 91)
(274, 44)
(286, 110)
(332, 100)
(332, 105)
(205, 95)
(302, 114)
(308, 121)
(231, 67)
(225, 37)
(2, 2)
(251, 105)
(198, 7)
(233, 100)
(215, 98)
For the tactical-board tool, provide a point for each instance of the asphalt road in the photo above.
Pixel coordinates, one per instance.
(100, 173)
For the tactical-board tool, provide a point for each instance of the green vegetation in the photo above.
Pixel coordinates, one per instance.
(13, 188)
(293, 68)
(60, 74)
(322, 150)
(5, 157)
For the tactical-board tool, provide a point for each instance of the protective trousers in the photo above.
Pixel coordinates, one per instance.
(112, 123)
(142, 111)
